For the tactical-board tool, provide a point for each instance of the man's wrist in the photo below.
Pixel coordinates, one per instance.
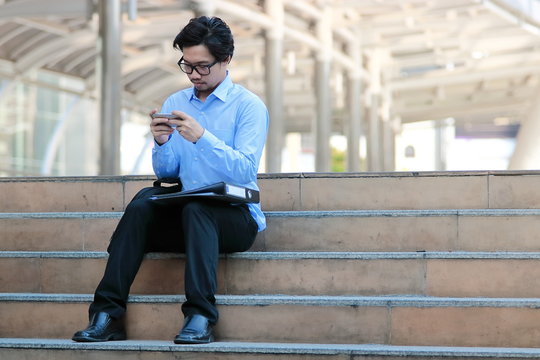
(160, 143)
(200, 136)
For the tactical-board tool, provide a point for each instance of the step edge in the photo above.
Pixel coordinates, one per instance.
(62, 215)
(286, 175)
(405, 213)
(272, 348)
(302, 300)
(296, 214)
(295, 255)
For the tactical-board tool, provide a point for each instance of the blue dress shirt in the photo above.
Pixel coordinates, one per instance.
(235, 122)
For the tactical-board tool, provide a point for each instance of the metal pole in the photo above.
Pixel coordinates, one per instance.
(274, 85)
(323, 126)
(355, 104)
(355, 127)
(388, 146)
(374, 140)
(324, 117)
(109, 66)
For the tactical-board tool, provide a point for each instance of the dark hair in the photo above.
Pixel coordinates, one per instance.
(209, 31)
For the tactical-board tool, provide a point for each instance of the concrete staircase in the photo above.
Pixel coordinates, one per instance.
(352, 266)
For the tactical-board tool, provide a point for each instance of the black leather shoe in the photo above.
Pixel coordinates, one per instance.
(196, 330)
(102, 327)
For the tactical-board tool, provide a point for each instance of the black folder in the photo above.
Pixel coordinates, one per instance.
(218, 191)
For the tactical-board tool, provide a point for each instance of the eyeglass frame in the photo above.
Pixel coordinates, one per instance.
(195, 67)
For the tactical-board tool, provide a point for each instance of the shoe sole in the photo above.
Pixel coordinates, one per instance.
(112, 337)
(193, 342)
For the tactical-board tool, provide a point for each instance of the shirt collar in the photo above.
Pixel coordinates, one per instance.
(220, 92)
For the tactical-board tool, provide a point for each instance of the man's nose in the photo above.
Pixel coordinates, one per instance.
(195, 75)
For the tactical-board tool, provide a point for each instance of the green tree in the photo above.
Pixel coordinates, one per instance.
(338, 160)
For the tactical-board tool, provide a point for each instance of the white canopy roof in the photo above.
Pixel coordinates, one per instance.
(474, 60)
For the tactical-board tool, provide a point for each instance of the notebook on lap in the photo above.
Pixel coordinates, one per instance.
(218, 191)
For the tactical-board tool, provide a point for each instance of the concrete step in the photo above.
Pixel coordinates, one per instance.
(497, 274)
(95, 193)
(299, 191)
(360, 230)
(390, 320)
(402, 190)
(41, 349)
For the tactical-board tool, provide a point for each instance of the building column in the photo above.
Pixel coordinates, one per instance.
(356, 110)
(109, 67)
(527, 152)
(323, 125)
(374, 135)
(389, 146)
(274, 85)
(375, 138)
(388, 128)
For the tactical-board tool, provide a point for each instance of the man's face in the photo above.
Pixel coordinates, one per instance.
(205, 84)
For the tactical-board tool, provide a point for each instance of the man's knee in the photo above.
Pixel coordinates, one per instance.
(140, 205)
(198, 218)
(194, 209)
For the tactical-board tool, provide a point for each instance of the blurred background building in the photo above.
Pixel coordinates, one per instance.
(351, 85)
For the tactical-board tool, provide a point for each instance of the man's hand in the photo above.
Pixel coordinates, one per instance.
(187, 126)
(159, 128)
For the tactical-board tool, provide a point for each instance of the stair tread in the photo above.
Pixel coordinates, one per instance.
(291, 255)
(297, 213)
(273, 348)
(306, 300)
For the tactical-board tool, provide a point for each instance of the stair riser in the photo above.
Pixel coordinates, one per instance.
(429, 233)
(431, 277)
(53, 234)
(300, 192)
(56, 195)
(335, 233)
(235, 276)
(441, 326)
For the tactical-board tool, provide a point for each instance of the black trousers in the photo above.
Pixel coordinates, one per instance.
(201, 229)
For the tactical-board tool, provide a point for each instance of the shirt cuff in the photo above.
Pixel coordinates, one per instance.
(207, 140)
(162, 147)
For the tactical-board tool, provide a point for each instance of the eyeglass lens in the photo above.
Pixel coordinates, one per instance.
(201, 69)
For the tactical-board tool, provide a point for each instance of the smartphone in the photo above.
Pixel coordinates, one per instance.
(166, 116)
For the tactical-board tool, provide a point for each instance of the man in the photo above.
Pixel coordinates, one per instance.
(219, 135)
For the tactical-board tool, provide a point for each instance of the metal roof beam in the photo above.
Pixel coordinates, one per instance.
(514, 15)
(430, 112)
(47, 51)
(158, 86)
(12, 34)
(267, 23)
(455, 79)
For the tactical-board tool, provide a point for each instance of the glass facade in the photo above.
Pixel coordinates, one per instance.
(50, 127)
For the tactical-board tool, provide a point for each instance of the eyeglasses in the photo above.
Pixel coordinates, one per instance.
(200, 69)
